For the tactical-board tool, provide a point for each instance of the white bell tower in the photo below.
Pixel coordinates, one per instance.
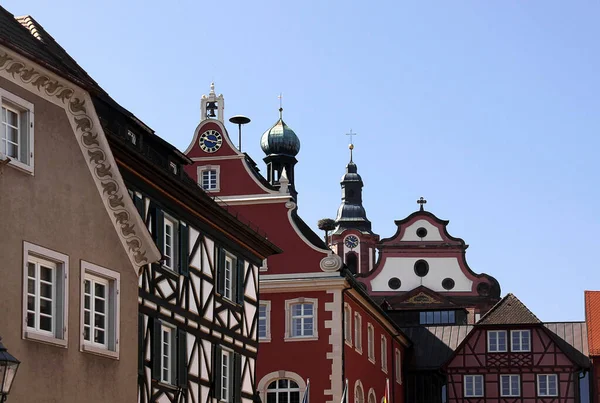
(211, 103)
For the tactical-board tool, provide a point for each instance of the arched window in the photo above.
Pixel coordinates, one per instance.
(359, 394)
(283, 391)
(352, 262)
(372, 398)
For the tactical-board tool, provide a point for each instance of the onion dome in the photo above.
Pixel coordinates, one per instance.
(280, 139)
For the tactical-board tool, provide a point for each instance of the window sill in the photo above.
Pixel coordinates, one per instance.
(520, 351)
(496, 352)
(264, 340)
(33, 336)
(86, 348)
(166, 385)
(359, 350)
(311, 338)
(372, 360)
(384, 370)
(19, 166)
(348, 343)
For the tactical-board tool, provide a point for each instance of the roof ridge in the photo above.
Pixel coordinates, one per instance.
(488, 318)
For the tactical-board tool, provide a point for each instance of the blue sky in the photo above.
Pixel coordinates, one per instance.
(487, 109)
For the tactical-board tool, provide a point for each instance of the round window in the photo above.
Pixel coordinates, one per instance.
(421, 232)
(421, 268)
(394, 283)
(448, 283)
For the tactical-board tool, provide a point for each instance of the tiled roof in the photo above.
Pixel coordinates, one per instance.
(509, 311)
(592, 317)
(433, 345)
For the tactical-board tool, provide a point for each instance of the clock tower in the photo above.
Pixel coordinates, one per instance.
(352, 239)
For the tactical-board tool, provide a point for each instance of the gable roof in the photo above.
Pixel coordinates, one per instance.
(509, 311)
(592, 317)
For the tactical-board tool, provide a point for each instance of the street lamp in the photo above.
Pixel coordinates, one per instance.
(8, 370)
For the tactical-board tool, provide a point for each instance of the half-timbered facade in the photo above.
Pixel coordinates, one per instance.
(510, 356)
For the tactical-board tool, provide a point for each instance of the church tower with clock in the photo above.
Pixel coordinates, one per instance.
(352, 239)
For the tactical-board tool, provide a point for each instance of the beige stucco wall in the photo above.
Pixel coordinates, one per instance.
(60, 209)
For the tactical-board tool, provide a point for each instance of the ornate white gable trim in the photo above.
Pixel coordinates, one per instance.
(80, 111)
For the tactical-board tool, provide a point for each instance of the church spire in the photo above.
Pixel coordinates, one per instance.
(351, 213)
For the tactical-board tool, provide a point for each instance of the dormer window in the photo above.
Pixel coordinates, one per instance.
(132, 137)
(173, 167)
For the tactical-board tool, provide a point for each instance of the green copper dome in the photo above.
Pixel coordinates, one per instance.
(280, 139)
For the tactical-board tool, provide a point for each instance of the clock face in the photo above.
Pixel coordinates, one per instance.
(210, 141)
(351, 241)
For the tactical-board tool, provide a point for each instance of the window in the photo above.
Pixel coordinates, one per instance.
(227, 375)
(208, 178)
(372, 397)
(371, 342)
(169, 354)
(230, 282)
(520, 340)
(437, 317)
(473, 385)
(358, 332)
(45, 299)
(132, 137)
(170, 248)
(173, 167)
(383, 353)
(398, 365)
(283, 391)
(547, 385)
(16, 131)
(264, 318)
(301, 319)
(510, 385)
(99, 309)
(348, 324)
(359, 394)
(496, 341)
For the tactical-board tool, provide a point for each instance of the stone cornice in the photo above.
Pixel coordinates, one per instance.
(92, 141)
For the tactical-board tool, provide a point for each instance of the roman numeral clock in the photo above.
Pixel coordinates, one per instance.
(210, 141)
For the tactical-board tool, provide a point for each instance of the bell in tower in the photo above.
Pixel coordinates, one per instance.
(212, 105)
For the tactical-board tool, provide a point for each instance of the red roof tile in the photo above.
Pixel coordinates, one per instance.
(592, 317)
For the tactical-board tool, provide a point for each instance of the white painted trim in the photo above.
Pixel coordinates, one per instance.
(62, 262)
(281, 374)
(114, 280)
(371, 342)
(267, 337)
(358, 384)
(27, 107)
(474, 376)
(336, 345)
(224, 157)
(201, 168)
(398, 365)
(372, 394)
(348, 329)
(358, 332)
(297, 284)
(254, 199)
(556, 381)
(383, 348)
(506, 341)
(294, 276)
(288, 318)
(512, 348)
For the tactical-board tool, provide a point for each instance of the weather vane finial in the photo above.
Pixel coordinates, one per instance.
(422, 203)
(351, 145)
(280, 96)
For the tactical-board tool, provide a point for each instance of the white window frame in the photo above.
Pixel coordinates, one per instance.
(174, 224)
(113, 310)
(358, 332)
(348, 324)
(19, 105)
(288, 391)
(267, 336)
(288, 319)
(229, 275)
(473, 379)
(511, 392)
(547, 376)
(398, 364)
(520, 348)
(202, 169)
(371, 342)
(359, 397)
(60, 299)
(172, 353)
(384, 357)
(225, 375)
(489, 338)
(372, 398)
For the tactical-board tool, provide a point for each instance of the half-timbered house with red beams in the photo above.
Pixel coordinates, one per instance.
(511, 356)
(197, 300)
(315, 320)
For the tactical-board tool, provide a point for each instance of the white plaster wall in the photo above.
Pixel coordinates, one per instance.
(439, 269)
(433, 233)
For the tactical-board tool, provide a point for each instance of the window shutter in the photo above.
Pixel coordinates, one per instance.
(217, 372)
(184, 250)
(158, 228)
(139, 205)
(239, 287)
(236, 386)
(156, 349)
(182, 369)
(141, 347)
(220, 257)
